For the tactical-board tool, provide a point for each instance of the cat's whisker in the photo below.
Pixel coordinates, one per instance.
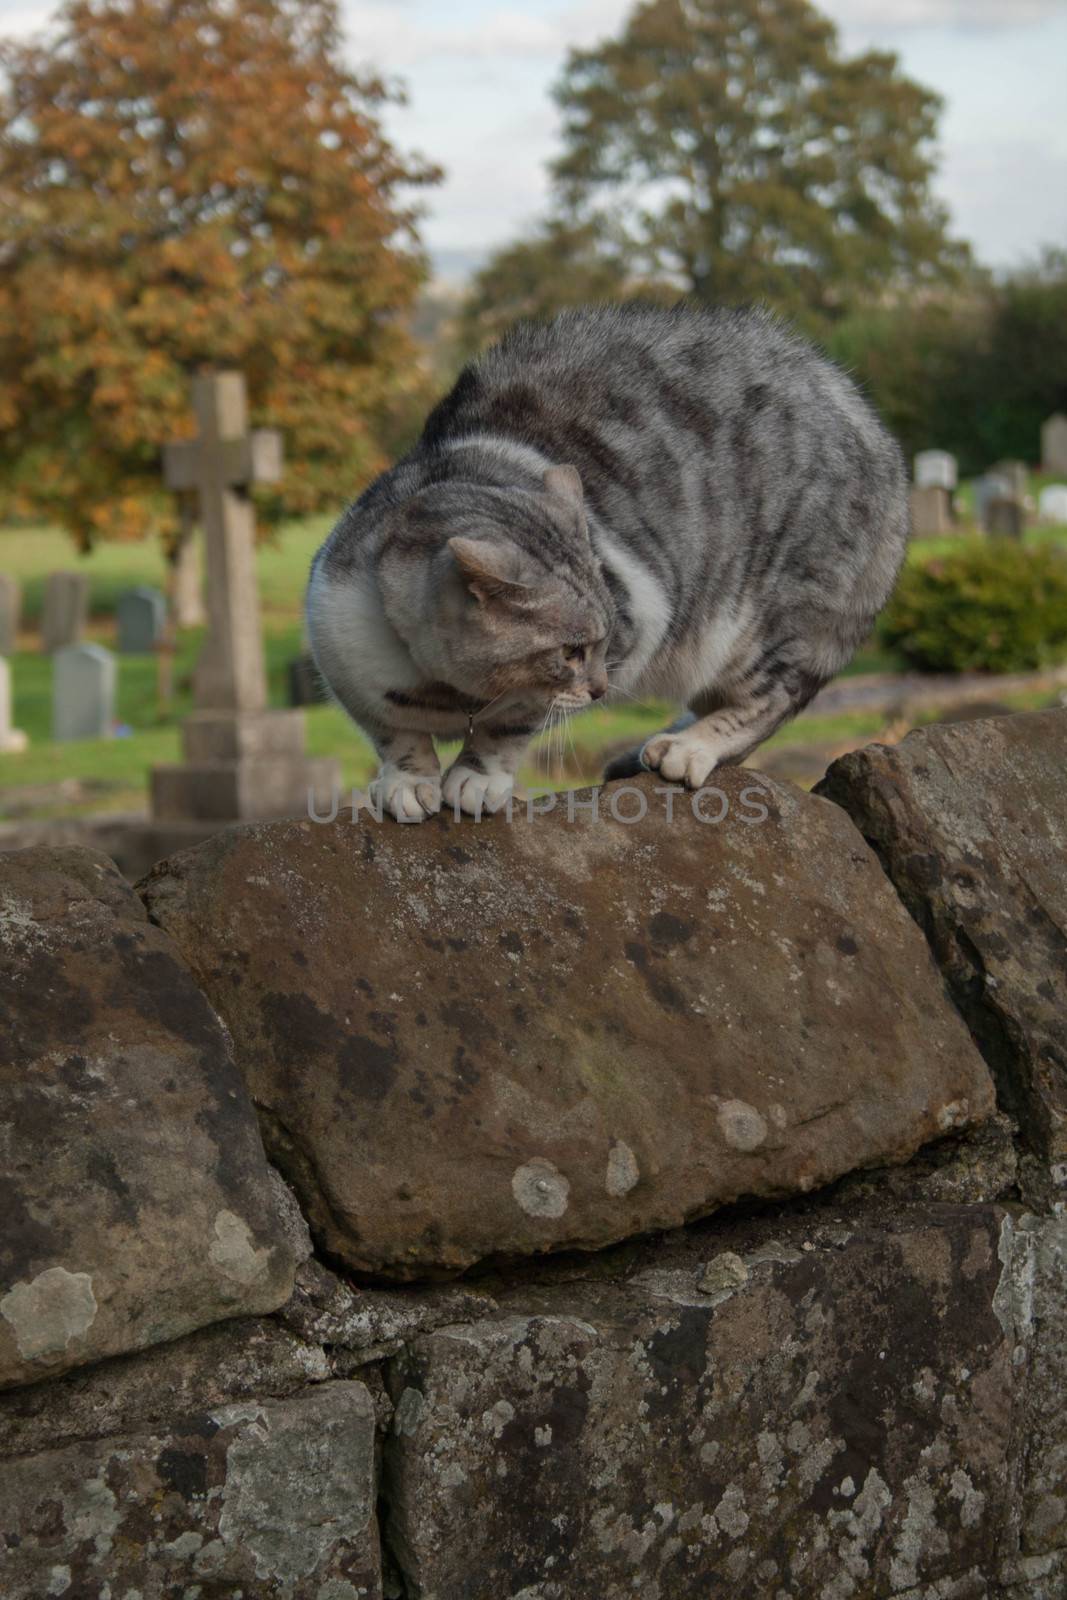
(616, 688)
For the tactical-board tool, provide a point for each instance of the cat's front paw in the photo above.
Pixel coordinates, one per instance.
(477, 792)
(680, 758)
(405, 795)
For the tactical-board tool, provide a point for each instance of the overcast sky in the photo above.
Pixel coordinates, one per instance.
(478, 72)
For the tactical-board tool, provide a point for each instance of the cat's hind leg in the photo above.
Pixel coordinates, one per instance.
(408, 783)
(719, 737)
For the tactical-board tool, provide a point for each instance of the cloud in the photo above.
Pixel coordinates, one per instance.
(972, 16)
(399, 38)
(399, 35)
(1007, 196)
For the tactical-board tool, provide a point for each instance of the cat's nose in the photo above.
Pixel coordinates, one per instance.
(597, 691)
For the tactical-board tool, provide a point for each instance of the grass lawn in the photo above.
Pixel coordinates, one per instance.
(117, 768)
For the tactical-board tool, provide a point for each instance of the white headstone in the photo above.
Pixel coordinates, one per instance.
(66, 604)
(11, 739)
(936, 469)
(1054, 444)
(142, 615)
(83, 692)
(10, 608)
(1052, 503)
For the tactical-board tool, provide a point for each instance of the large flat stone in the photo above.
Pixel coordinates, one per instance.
(135, 1196)
(821, 1410)
(970, 821)
(273, 1497)
(469, 1040)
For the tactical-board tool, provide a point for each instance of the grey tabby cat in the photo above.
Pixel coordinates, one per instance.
(679, 503)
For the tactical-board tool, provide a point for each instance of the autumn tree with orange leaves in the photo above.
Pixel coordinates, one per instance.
(188, 184)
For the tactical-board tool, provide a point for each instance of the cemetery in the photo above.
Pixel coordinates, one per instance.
(635, 1194)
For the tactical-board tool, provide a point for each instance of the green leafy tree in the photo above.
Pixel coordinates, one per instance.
(562, 264)
(727, 147)
(188, 184)
(975, 372)
(1022, 376)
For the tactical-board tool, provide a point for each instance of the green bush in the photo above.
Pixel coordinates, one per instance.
(990, 606)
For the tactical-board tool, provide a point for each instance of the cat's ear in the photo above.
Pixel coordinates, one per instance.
(566, 484)
(493, 569)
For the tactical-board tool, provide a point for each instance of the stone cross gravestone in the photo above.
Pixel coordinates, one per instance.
(186, 587)
(936, 469)
(11, 739)
(66, 606)
(931, 513)
(1054, 443)
(83, 692)
(10, 611)
(242, 761)
(1052, 503)
(222, 461)
(142, 617)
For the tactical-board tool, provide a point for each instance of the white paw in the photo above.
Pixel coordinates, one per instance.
(477, 792)
(405, 795)
(680, 758)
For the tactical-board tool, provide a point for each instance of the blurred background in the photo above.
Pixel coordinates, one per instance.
(346, 202)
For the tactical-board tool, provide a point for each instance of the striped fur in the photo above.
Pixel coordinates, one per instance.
(737, 521)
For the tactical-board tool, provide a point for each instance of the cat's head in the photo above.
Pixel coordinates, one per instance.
(519, 610)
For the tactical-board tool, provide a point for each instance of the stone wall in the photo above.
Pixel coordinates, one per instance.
(657, 1202)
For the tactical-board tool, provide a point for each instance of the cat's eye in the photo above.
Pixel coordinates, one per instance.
(575, 654)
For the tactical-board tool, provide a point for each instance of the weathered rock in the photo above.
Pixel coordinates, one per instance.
(971, 1168)
(833, 1422)
(135, 1199)
(248, 1358)
(1039, 1309)
(486, 1039)
(264, 1498)
(360, 1325)
(971, 824)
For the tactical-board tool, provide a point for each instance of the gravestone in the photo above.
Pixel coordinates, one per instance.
(186, 588)
(12, 739)
(10, 611)
(83, 692)
(66, 605)
(306, 686)
(142, 616)
(1052, 503)
(1005, 517)
(936, 469)
(988, 488)
(1054, 443)
(1016, 474)
(242, 760)
(931, 513)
